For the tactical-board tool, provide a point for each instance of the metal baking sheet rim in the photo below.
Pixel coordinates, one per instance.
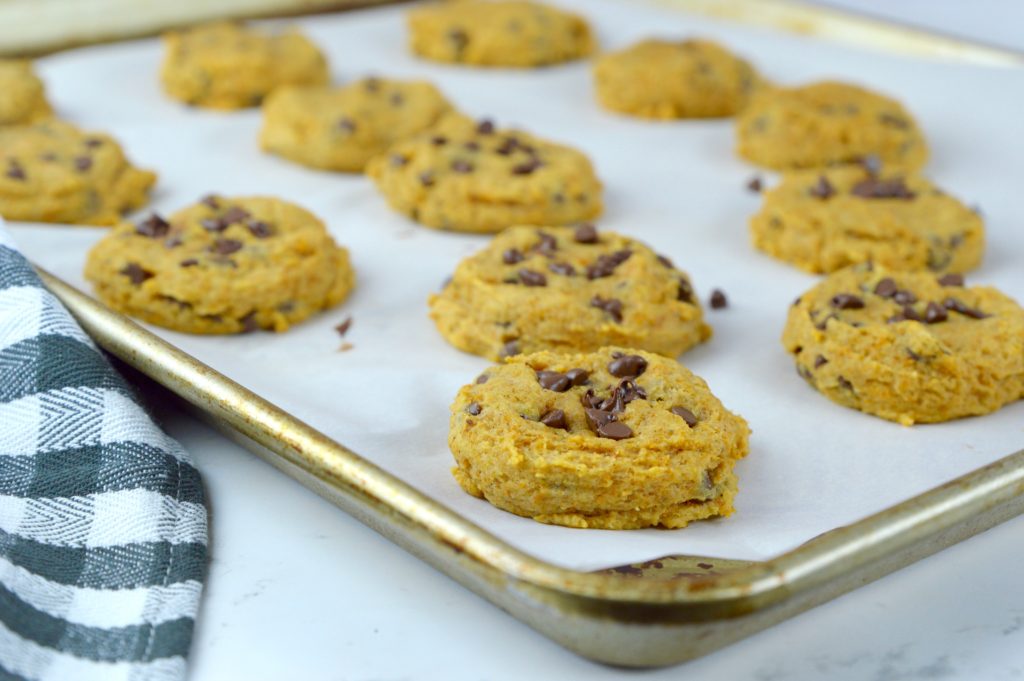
(657, 613)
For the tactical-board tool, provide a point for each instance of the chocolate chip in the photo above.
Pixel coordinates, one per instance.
(135, 273)
(547, 244)
(554, 419)
(597, 418)
(459, 39)
(398, 161)
(93, 142)
(846, 301)
(844, 384)
(427, 179)
(345, 325)
(822, 189)
(226, 246)
(485, 127)
(872, 164)
(371, 84)
(873, 188)
(605, 265)
(213, 224)
(935, 313)
(249, 323)
(526, 168)
(471, 146)
(819, 362)
(188, 262)
(951, 279)
(83, 163)
(233, 215)
(886, 288)
(893, 121)
(685, 291)
(510, 348)
(474, 409)
(511, 256)
(462, 166)
(48, 156)
(396, 99)
(823, 324)
(554, 380)
(211, 201)
(686, 415)
(755, 184)
(666, 262)
(585, 233)
(15, 171)
(481, 379)
(532, 278)
(718, 300)
(957, 305)
(347, 124)
(259, 229)
(577, 376)
(439, 140)
(612, 306)
(155, 227)
(614, 430)
(563, 268)
(627, 366)
(904, 297)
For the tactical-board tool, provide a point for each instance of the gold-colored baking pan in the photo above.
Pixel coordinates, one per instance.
(656, 613)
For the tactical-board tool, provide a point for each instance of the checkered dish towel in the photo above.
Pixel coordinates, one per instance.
(102, 518)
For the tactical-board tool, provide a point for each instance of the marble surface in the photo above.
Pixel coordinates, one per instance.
(298, 590)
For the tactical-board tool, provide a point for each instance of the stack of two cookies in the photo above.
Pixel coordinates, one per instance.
(892, 330)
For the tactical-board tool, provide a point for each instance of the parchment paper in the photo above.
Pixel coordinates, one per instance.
(813, 465)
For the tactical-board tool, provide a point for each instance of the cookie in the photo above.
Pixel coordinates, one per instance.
(825, 124)
(517, 34)
(617, 439)
(225, 65)
(342, 128)
(674, 79)
(223, 265)
(822, 221)
(22, 96)
(908, 346)
(472, 177)
(567, 289)
(54, 172)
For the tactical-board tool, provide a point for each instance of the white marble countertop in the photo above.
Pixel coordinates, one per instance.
(298, 590)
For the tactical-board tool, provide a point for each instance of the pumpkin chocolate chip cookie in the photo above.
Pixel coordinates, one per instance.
(53, 172)
(616, 439)
(472, 177)
(674, 79)
(224, 65)
(568, 289)
(517, 34)
(822, 221)
(22, 96)
(826, 124)
(223, 265)
(908, 346)
(342, 128)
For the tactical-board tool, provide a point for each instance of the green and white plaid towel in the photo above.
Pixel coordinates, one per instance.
(102, 516)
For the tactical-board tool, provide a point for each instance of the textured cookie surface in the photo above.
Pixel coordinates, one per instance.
(908, 346)
(228, 66)
(825, 124)
(53, 172)
(567, 289)
(824, 221)
(342, 128)
(518, 34)
(22, 96)
(472, 177)
(224, 265)
(683, 79)
(616, 439)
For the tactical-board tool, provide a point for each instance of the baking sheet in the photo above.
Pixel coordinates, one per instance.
(813, 465)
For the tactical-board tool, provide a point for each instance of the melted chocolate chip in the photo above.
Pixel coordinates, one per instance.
(554, 380)
(135, 273)
(627, 366)
(846, 301)
(614, 430)
(873, 188)
(951, 279)
(718, 300)
(957, 305)
(585, 234)
(612, 306)
(226, 246)
(686, 415)
(532, 278)
(935, 313)
(155, 227)
(886, 288)
(904, 297)
(577, 376)
(605, 265)
(474, 409)
(563, 268)
(554, 419)
(822, 189)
